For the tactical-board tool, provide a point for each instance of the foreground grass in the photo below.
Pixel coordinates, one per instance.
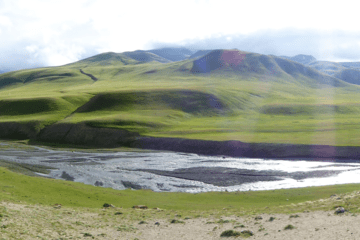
(19, 188)
(39, 208)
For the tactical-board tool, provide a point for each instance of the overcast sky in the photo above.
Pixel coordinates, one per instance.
(51, 32)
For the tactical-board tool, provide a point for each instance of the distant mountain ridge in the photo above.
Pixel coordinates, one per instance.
(301, 58)
(265, 64)
(173, 54)
(340, 70)
(240, 62)
(144, 56)
(346, 71)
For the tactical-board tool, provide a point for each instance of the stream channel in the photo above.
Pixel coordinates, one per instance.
(179, 172)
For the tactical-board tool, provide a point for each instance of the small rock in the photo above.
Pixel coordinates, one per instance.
(176, 221)
(99, 184)
(140, 207)
(339, 210)
(57, 206)
(106, 205)
(247, 233)
(158, 209)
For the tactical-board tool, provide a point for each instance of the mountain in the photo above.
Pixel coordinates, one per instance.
(173, 54)
(138, 56)
(349, 75)
(223, 95)
(108, 58)
(229, 62)
(330, 68)
(241, 62)
(144, 56)
(350, 64)
(199, 53)
(4, 70)
(346, 71)
(301, 58)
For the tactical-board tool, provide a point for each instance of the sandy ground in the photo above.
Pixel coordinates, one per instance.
(19, 221)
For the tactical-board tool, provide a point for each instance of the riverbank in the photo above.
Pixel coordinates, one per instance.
(62, 209)
(81, 134)
(85, 135)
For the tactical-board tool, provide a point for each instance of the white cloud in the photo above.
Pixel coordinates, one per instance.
(68, 30)
(31, 48)
(5, 21)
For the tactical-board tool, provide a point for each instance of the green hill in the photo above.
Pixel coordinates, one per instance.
(224, 95)
(349, 75)
(143, 56)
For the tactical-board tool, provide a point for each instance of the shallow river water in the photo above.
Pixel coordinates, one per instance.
(170, 171)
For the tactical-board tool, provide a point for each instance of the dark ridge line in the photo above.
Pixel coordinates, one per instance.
(89, 75)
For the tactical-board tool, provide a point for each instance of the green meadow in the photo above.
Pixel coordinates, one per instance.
(167, 100)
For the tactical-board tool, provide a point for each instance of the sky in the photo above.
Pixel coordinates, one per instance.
(36, 33)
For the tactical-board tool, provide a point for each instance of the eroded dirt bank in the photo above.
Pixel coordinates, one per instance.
(251, 150)
(16, 130)
(82, 134)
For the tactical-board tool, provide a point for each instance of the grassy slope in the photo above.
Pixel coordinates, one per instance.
(257, 108)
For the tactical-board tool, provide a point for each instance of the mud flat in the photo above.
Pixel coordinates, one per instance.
(224, 177)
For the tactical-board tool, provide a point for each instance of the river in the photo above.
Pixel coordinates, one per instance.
(179, 172)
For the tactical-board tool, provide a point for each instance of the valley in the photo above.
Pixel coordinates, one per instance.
(220, 96)
(291, 126)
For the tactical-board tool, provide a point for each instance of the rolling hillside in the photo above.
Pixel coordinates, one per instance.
(223, 95)
(173, 54)
(346, 71)
(250, 63)
(349, 75)
(143, 56)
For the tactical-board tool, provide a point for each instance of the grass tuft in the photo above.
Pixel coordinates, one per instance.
(230, 233)
(289, 227)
